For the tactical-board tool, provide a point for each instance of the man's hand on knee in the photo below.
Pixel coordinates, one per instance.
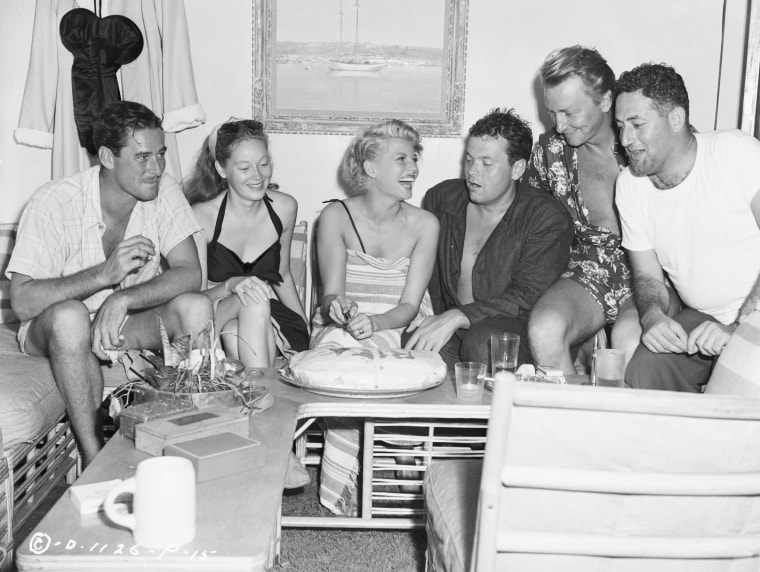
(432, 332)
(663, 334)
(106, 328)
(708, 338)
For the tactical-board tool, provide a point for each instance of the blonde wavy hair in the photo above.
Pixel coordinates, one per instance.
(369, 145)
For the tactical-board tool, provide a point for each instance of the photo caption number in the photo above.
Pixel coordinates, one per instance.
(172, 548)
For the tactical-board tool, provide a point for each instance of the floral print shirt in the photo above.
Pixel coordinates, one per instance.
(597, 261)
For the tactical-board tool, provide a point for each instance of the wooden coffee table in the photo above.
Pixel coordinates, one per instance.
(237, 522)
(238, 517)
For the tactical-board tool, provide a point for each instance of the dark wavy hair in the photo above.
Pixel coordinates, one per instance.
(117, 121)
(507, 124)
(660, 83)
(585, 63)
(205, 183)
(368, 145)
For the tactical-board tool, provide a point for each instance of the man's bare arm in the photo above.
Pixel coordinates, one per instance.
(661, 334)
(184, 275)
(30, 296)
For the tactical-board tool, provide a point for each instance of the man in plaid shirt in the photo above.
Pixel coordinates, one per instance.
(86, 276)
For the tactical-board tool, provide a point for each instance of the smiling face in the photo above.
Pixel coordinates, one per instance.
(489, 173)
(248, 169)
(576, 115)
(395, 169)
(645, 132)
(138, 167)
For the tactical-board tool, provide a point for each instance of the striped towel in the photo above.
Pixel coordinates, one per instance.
(737, 370)
(376, 285)
(340, 464)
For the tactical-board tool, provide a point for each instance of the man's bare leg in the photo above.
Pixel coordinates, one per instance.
(564, 316)
(626, 333)
(62, 333)
(187, 313)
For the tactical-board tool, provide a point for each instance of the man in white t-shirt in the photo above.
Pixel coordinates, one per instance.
(690, 210)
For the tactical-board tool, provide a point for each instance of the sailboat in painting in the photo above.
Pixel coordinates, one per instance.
(353, 62)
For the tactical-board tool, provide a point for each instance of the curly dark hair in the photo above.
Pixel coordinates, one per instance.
(119, 120)
(205, 183)
(507, 124)
(578, 61)
(660, 83)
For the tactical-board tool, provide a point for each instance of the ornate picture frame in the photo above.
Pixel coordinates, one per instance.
(751, 101)
(325, 77)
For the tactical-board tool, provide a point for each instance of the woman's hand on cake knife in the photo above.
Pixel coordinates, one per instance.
(361, 327)
(342, 310)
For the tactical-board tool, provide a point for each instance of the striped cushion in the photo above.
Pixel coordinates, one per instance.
(298, 252)
(738, 368)
(7, 240)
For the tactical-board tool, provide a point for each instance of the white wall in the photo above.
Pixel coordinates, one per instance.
(507, 41)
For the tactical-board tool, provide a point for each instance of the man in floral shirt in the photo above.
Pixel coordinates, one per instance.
(578, 162)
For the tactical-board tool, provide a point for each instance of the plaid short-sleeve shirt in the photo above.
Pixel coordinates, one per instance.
(61, 230)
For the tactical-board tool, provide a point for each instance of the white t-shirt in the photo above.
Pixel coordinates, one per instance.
(703, 231)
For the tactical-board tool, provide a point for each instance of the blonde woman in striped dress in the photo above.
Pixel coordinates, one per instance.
(376, 254)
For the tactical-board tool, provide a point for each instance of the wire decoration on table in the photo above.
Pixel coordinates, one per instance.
(195, 364)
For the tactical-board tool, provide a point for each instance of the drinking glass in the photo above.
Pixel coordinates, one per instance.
(504, 348)
(610, 368)
(470, 377)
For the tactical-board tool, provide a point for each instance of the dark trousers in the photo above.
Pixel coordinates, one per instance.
(475, 344)
(672, 372)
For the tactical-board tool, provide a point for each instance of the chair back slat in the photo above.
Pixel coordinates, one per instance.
(680, 484)
(627, 547)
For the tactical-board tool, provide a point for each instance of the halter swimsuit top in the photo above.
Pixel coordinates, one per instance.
(223, 263)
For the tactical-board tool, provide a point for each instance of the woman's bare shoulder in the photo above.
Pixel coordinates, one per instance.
(206, 212)
(285, 205)
(333, 212)
(282, 199)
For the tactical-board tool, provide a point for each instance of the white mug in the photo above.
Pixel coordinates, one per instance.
(163, 509)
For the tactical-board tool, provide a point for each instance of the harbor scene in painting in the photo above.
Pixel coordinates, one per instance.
(366, 57)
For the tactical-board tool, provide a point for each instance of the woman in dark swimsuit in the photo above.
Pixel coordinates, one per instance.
(248, 226)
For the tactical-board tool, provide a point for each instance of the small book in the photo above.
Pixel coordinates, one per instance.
(152, 436)
(219, 455)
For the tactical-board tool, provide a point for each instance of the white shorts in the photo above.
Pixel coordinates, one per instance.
(23, 329)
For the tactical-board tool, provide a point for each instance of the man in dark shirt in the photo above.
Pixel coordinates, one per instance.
(500, 246)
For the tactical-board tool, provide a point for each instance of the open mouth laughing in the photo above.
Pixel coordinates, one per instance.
(407, 183)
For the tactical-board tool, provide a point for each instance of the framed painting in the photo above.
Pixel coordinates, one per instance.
(333, 66)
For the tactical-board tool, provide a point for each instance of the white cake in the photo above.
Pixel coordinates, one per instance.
(367, 369)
